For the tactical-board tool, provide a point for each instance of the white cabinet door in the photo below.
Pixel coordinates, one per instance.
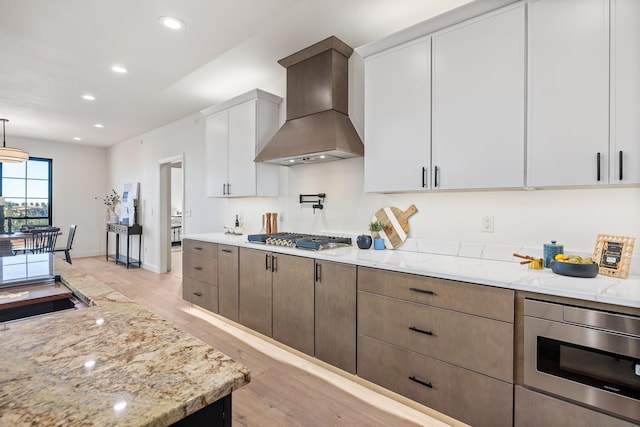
(568, 93)
(235, 130)
(216, 154)
(242, 150)
(397, 118)
(478, 103)
(625, 92)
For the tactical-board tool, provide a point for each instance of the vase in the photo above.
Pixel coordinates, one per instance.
(363, 241)
(378, 244)
(113, 218)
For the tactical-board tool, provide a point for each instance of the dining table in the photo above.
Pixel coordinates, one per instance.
(6, 241)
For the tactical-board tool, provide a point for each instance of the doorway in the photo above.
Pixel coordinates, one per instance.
(171, 214)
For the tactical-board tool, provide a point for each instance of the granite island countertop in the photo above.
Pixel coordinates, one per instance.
(114, 363)
(496, 267)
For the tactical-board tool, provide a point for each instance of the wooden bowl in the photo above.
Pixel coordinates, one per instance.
(574, 270)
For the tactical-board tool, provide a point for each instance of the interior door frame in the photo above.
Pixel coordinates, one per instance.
(164, 210)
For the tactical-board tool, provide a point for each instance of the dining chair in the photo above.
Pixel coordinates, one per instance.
(42, 240)
(66, 249)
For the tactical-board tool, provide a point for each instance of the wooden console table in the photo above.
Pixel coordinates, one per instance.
(128, 232)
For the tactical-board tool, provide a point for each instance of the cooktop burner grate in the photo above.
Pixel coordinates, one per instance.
(300, 240)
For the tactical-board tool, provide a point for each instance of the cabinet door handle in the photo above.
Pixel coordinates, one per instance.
(274, 263)
(267, 266)
(435, 176)
(228, 251)
(224, 189)
(422, 291)
(198, 294)
(620, 168)
(317, 272)
(197, 248)
(598, 166)
(415, 380)
(424, 177)
(197, 268)
(422, 331)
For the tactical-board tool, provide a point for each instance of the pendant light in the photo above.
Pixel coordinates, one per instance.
(11, 155)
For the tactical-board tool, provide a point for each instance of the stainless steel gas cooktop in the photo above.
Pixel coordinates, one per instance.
(300, 240)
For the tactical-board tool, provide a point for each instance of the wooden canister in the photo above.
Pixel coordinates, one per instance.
(268, 222)
(274, 222)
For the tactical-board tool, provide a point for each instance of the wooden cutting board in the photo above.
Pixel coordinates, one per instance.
(396, 225)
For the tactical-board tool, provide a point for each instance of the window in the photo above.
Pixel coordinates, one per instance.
(27, 190)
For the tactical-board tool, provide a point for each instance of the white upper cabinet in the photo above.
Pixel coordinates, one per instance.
(478, 107)
(235, 131)
(216, 153)
(625, 92)
(568, 93)
(397, 118)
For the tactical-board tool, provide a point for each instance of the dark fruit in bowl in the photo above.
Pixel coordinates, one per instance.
(574, 270)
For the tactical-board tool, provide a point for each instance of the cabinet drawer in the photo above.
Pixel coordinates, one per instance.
(476, 343)
(198, 267)
(201, 294)
(485, 301)
(209, 250)
(533, 409)
(465, 395)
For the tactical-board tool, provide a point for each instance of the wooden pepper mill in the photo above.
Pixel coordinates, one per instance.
(274, 222)
(268, 222)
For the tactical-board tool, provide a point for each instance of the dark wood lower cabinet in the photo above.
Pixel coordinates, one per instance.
(200, 294)
(293, 302)
(217, 414)
(228, 281)
(255, 290)
(467, 396)
(335, 312)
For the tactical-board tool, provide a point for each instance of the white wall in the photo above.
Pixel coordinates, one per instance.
(573, 217)
(79, 175)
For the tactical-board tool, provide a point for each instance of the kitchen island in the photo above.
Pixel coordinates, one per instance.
(113, 363)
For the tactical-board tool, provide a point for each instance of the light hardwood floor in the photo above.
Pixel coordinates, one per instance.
(285, 390)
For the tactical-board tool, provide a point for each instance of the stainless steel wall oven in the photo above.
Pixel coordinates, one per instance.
(588, 356)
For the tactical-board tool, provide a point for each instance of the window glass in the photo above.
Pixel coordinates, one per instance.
(27, 190)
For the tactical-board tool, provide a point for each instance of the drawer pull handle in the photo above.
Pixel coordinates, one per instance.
(197, 268)
(227, 251)
(197, 248)
(422, 291)
(415, 380)
(422, 331)
(198, 294)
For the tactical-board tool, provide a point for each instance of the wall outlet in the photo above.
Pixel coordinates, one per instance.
(486, 225)
(187, 212)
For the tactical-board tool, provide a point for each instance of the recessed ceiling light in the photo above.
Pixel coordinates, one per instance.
(98, 125)
(88, 97)
(77, 138)
(119, 69)
(172, 23)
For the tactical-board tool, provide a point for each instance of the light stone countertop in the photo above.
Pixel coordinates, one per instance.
(500, 273)
(112, 364)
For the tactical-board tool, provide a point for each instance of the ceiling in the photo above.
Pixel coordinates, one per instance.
(53, 52)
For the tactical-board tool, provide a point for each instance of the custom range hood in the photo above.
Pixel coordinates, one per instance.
(318, 128)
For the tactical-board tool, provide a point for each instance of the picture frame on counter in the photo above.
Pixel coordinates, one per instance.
(613, 255)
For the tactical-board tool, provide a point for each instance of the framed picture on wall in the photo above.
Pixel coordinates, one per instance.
(613, 255)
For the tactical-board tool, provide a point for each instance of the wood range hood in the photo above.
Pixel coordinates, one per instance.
(318, 128)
